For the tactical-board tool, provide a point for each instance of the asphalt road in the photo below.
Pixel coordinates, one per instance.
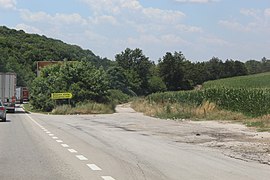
(108, 147)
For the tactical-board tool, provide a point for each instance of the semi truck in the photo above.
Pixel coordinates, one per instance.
(22, 94)
(8, 90)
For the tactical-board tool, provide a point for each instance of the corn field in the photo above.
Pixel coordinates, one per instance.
(251, 102)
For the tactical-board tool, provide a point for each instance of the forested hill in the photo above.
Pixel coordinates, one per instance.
(19, 52)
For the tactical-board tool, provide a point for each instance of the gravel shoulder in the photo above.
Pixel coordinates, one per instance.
(232, 139)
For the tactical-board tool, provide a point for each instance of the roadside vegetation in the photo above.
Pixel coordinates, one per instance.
(167, 85)
(85, 108)
(226, 99)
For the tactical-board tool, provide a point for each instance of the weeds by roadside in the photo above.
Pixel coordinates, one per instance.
(85, 108)
(206, 111)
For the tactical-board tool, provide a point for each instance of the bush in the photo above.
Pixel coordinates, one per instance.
(118, 97)
(83, 80)
(85, 108)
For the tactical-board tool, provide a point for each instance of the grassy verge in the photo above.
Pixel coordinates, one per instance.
(28, 108)
(206, 111)
(81, 108)
(85, 108)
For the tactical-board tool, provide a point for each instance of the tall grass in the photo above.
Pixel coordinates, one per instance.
(166, 110)
(251, 102)
(85, 108)
(252, 81)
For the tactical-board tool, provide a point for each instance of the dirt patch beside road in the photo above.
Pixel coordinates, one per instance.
(234, 140)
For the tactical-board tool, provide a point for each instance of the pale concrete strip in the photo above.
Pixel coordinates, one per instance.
(93, 167)
(72, 150)
(81, 157)
(107, 178)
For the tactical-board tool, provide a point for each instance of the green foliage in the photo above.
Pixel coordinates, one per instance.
(117, 96)
(19, 52)
(81, 79)
(251, 102)
(136, 68)
(156, 84)
(171, 70)
(252, 81)
(85, 108)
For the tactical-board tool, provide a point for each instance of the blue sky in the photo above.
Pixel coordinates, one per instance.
(200, 29)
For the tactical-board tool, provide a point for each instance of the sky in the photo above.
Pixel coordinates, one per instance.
(200, 29)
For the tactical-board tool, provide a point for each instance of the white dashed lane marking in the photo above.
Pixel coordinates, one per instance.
(64, 145)
(72, 151)
(81, 157)
(93, 167)
(107, 178)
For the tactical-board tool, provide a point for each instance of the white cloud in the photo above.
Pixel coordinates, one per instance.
(191, 29)
(53, 19)
(28, 29)
(142, 40)
(128, 10)
(166, 40)
(250, 12)
(267, 12)
(172, 39)
(104, 19)
(257, 21)
(8, 4)
(163, 15)
(196, 1)
(216, 41)
(233, 25)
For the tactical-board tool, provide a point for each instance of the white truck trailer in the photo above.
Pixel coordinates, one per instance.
(8, 90)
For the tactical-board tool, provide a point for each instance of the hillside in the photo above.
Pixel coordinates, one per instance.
(19, 52)
(261, 80)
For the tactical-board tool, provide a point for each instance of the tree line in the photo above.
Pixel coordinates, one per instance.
(94, 78)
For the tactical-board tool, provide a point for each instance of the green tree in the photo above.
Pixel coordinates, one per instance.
(137, 69)
(171, 70)
(82, 79)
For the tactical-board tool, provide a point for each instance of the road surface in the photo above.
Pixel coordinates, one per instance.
(121, 146)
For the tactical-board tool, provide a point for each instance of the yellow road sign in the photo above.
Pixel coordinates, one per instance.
(61, 95)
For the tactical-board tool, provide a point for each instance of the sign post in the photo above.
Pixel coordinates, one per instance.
(61, 95)
(57, 96)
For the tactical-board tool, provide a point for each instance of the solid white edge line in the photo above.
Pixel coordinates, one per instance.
(34, 120)
(81, 157)
(94, 167)
(107, 178)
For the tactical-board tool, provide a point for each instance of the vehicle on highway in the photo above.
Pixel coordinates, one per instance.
(3, 115)
(8, 90)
